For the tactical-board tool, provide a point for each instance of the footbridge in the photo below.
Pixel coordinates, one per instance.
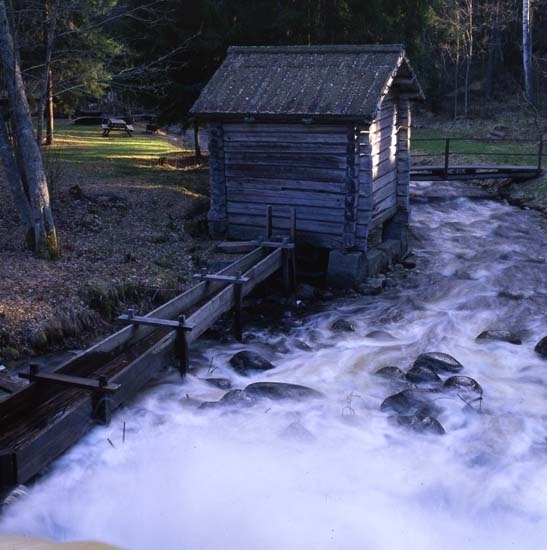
(462, 158)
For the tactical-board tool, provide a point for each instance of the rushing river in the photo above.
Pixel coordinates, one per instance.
(337, 473)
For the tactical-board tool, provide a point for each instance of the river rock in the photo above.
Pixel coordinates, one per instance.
(421, 423)
(464, 384)
(423, 375)
(439, 362)
(222, 383)
(381, 335)
(246, 361)
(410, 402)
(281, 390)
(500, 336)
(343, 325)
(233, 398)
(297, 432)
(541, 347)
(391, 373)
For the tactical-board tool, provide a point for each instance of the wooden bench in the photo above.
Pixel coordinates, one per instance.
(116, 125)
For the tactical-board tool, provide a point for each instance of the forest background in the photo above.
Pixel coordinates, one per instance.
(148, 60)
(158, 54)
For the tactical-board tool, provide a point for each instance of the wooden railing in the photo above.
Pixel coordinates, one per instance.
(467, 158)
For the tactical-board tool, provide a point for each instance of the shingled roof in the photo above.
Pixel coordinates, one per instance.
(306, 82)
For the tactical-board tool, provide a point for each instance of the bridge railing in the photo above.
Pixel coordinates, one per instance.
(449, 152)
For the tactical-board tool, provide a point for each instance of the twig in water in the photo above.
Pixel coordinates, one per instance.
(211, 369)
(123, 434)
(348, 409)
(108, 439)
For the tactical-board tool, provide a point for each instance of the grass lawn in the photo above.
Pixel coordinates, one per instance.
(430, 145)
(116, 155)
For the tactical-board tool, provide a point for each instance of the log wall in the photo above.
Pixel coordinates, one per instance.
(296, 165)
(343, 180)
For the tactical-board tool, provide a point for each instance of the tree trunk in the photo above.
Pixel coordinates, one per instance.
(527, 50)
(50, 116)
(27, 149)
(13, 178)
(50, 22)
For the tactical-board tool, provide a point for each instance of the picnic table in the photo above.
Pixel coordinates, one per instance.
(116, 125)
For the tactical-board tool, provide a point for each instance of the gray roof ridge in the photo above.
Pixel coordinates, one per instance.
(322, 48)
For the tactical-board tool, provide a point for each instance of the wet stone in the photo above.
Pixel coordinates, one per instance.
(234, 398)
(247, 361)
(297, 432)
(423, 375)
(391, 373)
(381, 335)
(222, 383)
(541, 347)
(281, 390)
(500, 336)
(420, 423)
(411, 402)
(439, 362)
(464, 384)
(343, 325)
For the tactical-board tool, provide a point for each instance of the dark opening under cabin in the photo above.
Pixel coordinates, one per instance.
(323, 129)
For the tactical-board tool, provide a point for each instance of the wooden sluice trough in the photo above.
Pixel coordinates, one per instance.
(51, 413)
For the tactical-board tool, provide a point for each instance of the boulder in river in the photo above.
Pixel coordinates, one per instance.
(281, 390)
(464, 384)
(411, 401)
(233, 398)
(541, 347)
(343, 325)
(420, 423)
(246, 361)
(391, 373)
(222, 383)
(424, 376)
(500, 336)
(438, 361)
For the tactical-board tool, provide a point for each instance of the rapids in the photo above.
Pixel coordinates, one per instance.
(336, 473)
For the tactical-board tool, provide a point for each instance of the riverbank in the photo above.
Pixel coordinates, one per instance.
(131, 239)
(131, 234)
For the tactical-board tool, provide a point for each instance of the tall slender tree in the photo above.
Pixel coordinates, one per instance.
(527, 50)
(25, 151)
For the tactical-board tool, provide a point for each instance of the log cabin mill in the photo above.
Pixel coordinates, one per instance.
(322, 129)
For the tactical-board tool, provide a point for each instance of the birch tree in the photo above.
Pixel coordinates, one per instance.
(527, 50)
(25, 152)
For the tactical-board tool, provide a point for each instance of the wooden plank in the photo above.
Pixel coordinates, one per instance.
(288, 198)
(281, 185)
(318, 226)
(71, 381)
(253, 128)
(204, 317)
(295, 158)
(285, 148)
(169, 310)
(70, 425)
(385, 179)
(304, 213)
(286, 172)
(289, 137)
(314, 238)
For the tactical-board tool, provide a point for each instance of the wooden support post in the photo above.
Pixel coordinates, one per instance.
(269, 222)
(540, 153)
(238, 304)
(8, 469)
(182, 349)
(292, 253)
(446, 155)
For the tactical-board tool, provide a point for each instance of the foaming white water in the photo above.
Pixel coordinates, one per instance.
(337, 473)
